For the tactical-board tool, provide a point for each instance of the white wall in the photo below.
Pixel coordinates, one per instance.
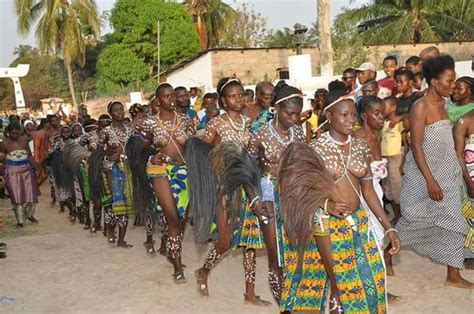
(197, 73)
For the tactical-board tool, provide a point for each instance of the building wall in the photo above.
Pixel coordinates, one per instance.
(195, 74)
(459, 51)
(255, 65)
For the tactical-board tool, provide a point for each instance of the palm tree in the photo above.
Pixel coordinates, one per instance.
(63, 27)
(213, 19)
(198, 8)
(325, 42)
(404, 21)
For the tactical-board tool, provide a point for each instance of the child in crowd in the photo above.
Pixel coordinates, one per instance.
(406, 96)
(387, 84)
(392, 151)
(414, 64)
(418, 81)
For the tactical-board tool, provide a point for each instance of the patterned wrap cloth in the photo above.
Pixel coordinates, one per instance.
(20, 178)
(468, 205)
(358, 267)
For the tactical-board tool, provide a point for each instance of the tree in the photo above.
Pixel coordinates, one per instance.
(249, 29)
(135, 27)
(413, 21)
(117, 67)
(325, 43)
(62, 27)
(213, 18)
(47, 77)
(284, 37)
(348, 46)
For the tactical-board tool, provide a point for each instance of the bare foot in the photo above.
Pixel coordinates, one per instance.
(389, 270)
(459, 283)
(469, 263)
(255, 300)
(392, 298)
(201, 280)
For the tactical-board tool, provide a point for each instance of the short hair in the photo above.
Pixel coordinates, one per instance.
(370, 83)
(112, 104)
(392, 100)
(210, 96)
(12, 116)
(162, 86)
(13, 126)
(390, 57)
(433, 67)
(51, 117)
(249, 92)
(366, 102)
(419, 75)
(467, 80)
(262, 85)
(211, 107)
(283, 90)
(336, 85)
(414, 60)
(405, 72)
(349, 70)
(180, 88)
(104, 117)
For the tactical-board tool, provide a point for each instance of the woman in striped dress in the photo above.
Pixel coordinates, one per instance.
(432, 223)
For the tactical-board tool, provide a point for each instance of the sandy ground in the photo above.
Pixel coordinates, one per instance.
(55, 267)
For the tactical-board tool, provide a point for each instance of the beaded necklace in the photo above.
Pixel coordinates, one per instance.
(277, 136)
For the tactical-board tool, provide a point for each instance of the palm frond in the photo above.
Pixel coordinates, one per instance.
(396, 31)
(370, 12)
(450, 24)
(24, 14)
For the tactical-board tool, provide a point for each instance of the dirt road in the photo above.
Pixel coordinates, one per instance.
(56, 267)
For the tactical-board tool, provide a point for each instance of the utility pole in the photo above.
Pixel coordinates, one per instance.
(325, 43)
(158, 48)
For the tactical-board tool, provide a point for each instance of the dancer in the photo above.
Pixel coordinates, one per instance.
(228, 136)
(352, 269)
(113, 138)
(464, 144)
(266, 146)
(167, 131)
(20, 178)
(432, 222)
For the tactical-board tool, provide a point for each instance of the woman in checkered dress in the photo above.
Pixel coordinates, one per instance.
(432, 223)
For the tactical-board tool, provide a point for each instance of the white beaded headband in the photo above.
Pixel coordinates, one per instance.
(332, 104)
(228, 82)
(288, 97)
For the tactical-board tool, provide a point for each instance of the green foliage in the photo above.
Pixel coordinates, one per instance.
(284, 37)
(219, 18)
(135, 26)
(117, 67)
(47, 78)
(348, 46)
(413, 21)
(248, 30)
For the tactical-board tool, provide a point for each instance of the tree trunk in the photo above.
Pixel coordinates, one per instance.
(416, 36)
(201, 29)
(325, 43)
(71, 84)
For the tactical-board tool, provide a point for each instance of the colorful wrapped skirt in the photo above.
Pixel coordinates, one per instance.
(121, 189)
(358, 267)
(178, 180)
(21, 182)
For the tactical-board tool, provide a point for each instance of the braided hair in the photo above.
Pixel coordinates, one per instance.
(135, 109)
(469, 81)
(286, 94)
(223, 85)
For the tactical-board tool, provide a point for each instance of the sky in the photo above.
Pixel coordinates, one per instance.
(279, 14)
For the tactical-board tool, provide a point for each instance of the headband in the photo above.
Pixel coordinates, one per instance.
(113, 102)
(230, 80)
(90, 126)
(288, 97)
(27, 122)
(338, 101)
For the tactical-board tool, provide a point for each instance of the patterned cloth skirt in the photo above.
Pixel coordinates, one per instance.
(358, 267)
(178, 180)
(121, 189)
